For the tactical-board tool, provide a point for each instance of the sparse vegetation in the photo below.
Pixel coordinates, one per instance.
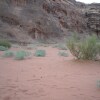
(2, 48)
(60, 46)
(8, 54)
(85, 49)
(5, 43)
(40, 53)
(98, 45)
(21, 55)
(64, 54)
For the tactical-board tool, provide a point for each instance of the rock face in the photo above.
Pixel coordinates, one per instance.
(93, 18)
(24, 20)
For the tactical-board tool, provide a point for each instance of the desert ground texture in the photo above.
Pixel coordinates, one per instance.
(52, 77)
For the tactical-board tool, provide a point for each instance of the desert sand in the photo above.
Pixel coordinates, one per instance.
(49, 78)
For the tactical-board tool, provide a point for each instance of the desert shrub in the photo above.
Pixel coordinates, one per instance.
(98, 45)
(62, 47)
(2, 48)
(72, 44)
(5, 43)
(40, 53)
(8, 54)
(64, 54)
(89, 48)
(85, 49)
(21, 55)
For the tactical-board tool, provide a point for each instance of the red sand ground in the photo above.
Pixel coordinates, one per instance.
(49, 78)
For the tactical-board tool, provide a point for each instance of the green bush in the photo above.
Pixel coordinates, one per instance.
(8, 54)
(98, 45)
(21, 55)
(72, 44)
(85, 49)
(5, 43)
(40, 53)
(64, 54)
(2, 48)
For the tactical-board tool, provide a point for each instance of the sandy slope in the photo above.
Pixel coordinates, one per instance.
(49, 78)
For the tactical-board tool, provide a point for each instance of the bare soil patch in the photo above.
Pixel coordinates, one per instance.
(49, 78)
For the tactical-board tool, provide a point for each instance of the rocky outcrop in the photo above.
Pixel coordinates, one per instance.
(93, 18)
(41, 19)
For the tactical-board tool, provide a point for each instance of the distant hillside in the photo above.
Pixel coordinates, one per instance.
(25, 20)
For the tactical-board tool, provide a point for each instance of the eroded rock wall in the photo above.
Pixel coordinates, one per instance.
(24, 20)
(93, 18)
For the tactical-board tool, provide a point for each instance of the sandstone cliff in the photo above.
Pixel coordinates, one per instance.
(93, 18)
(24, 20)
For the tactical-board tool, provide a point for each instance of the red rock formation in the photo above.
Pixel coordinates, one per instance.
(41, 18)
